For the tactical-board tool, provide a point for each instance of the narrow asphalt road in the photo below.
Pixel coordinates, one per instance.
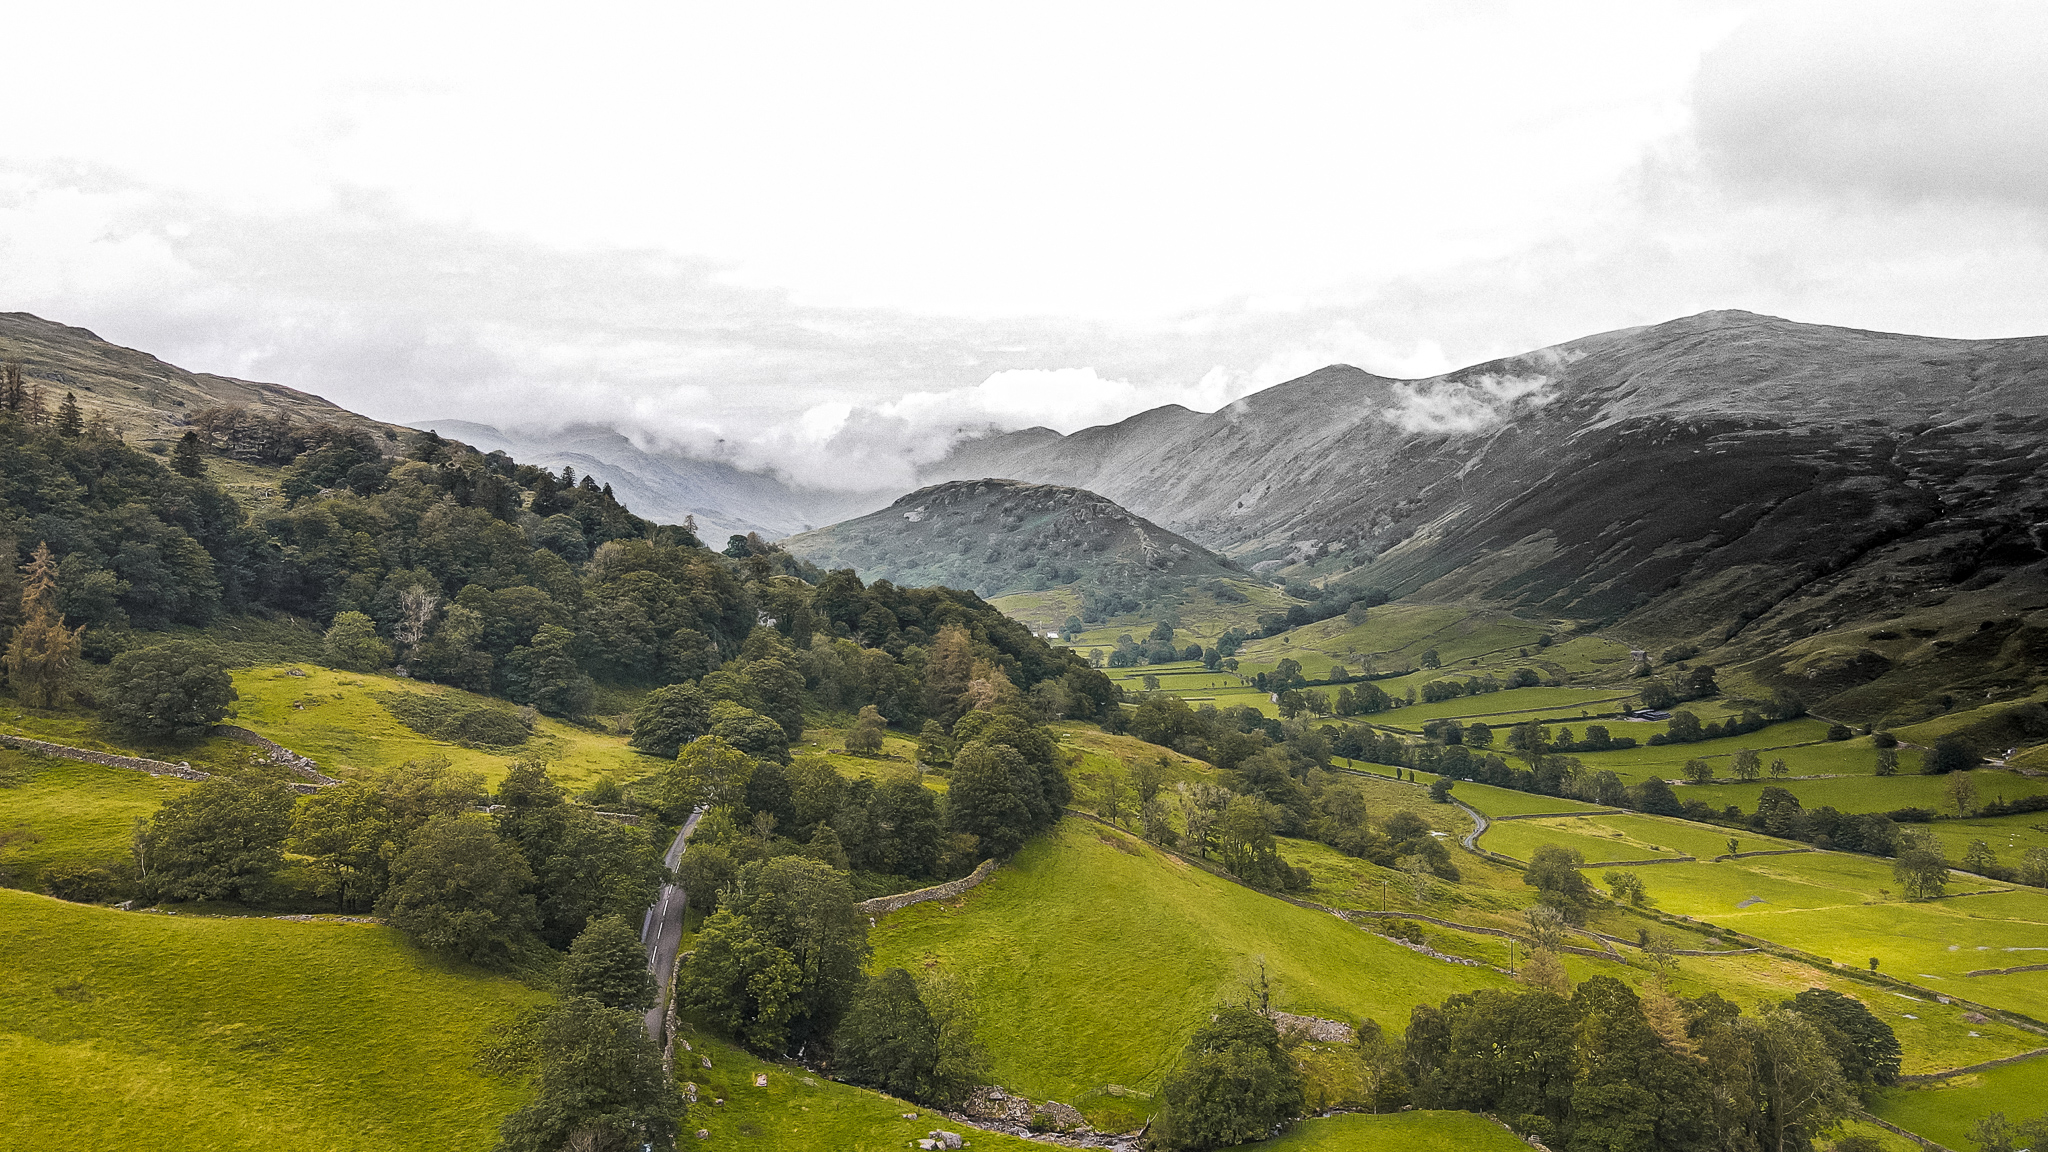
(661, 931)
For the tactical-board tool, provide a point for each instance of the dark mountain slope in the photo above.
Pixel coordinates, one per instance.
(998, 536)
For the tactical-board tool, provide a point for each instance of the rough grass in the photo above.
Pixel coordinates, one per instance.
(84, 813)
(336, 718)
(1398, 1132)
(122, 1029)
(1945, 1112)
(1094, 956)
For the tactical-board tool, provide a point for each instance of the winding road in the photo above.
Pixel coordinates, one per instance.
(661, 930)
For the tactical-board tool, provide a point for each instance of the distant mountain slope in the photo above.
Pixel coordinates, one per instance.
(667, 486)
(1726, 478)
(998, 536)
(142, 396)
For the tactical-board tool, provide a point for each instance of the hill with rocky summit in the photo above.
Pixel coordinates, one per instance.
(998, 536)
(1769, 492)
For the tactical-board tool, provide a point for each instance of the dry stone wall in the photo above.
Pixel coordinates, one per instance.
(65, 752)
(882, 905)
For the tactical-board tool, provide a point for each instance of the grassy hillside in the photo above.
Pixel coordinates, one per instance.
(144, 1030)
(338, 719)
(80, 813)
(1093, 956)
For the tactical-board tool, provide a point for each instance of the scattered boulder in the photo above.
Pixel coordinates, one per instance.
(1053, 1116)
(760, 1079)
(944, 1139)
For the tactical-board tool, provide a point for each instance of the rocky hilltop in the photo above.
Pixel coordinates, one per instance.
(998, 536)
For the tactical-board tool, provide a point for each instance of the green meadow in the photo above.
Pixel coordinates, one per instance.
(2008, 837)
(798, 1109)
(1093, 956)
(1873, 793)
(80, 813)
(336, 718)
(148, 1030)
(1493, 801)
(1595, 843)
(1945, 1111)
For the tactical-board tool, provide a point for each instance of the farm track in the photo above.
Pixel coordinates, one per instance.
(661, 930)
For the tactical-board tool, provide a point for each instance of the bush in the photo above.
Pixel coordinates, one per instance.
(82, 883)
(175, 690)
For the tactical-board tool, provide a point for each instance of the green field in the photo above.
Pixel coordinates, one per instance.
(1398, 1132)
(335, 718)
(799, 1110)
(1093, 956)
(1944, 1112)
(1594, 842)
(84, 813)
(1872, 793)
(2009, 837)
(123, 1029)
(1508, 802)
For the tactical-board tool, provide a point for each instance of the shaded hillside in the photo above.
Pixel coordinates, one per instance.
(998, 536)
(1722, 479)
(668, 486)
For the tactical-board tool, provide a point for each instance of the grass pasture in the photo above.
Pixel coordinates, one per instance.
(1946, 1110)
(1871, 793)
(1595, 843)
(1093, 956)
(335, 718)
(797, 1109)
(122, 1029)
(83, 813)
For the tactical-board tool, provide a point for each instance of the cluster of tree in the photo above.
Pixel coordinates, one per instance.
(1158, 648)
(1436, 691)
(1685, 728)
(779, 967)
(1605, 1067)
(1325, 604)
(1695, 684)
(1006, 782)
(472, 570)
(412, 843)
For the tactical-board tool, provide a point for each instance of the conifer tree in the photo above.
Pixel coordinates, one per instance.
(187, 459)
(70, 421)
(13, 395)
(43, 652)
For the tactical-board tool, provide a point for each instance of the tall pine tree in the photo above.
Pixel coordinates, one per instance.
(43, 652)
(70, 421)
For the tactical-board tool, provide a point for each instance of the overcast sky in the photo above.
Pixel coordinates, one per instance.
(824, 237)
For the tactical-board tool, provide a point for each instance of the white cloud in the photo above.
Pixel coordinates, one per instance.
(1473, 404)
(828, 241)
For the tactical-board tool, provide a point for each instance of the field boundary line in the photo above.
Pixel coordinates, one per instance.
(1933, 1077)
(1564, 815)
(2008, 971)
